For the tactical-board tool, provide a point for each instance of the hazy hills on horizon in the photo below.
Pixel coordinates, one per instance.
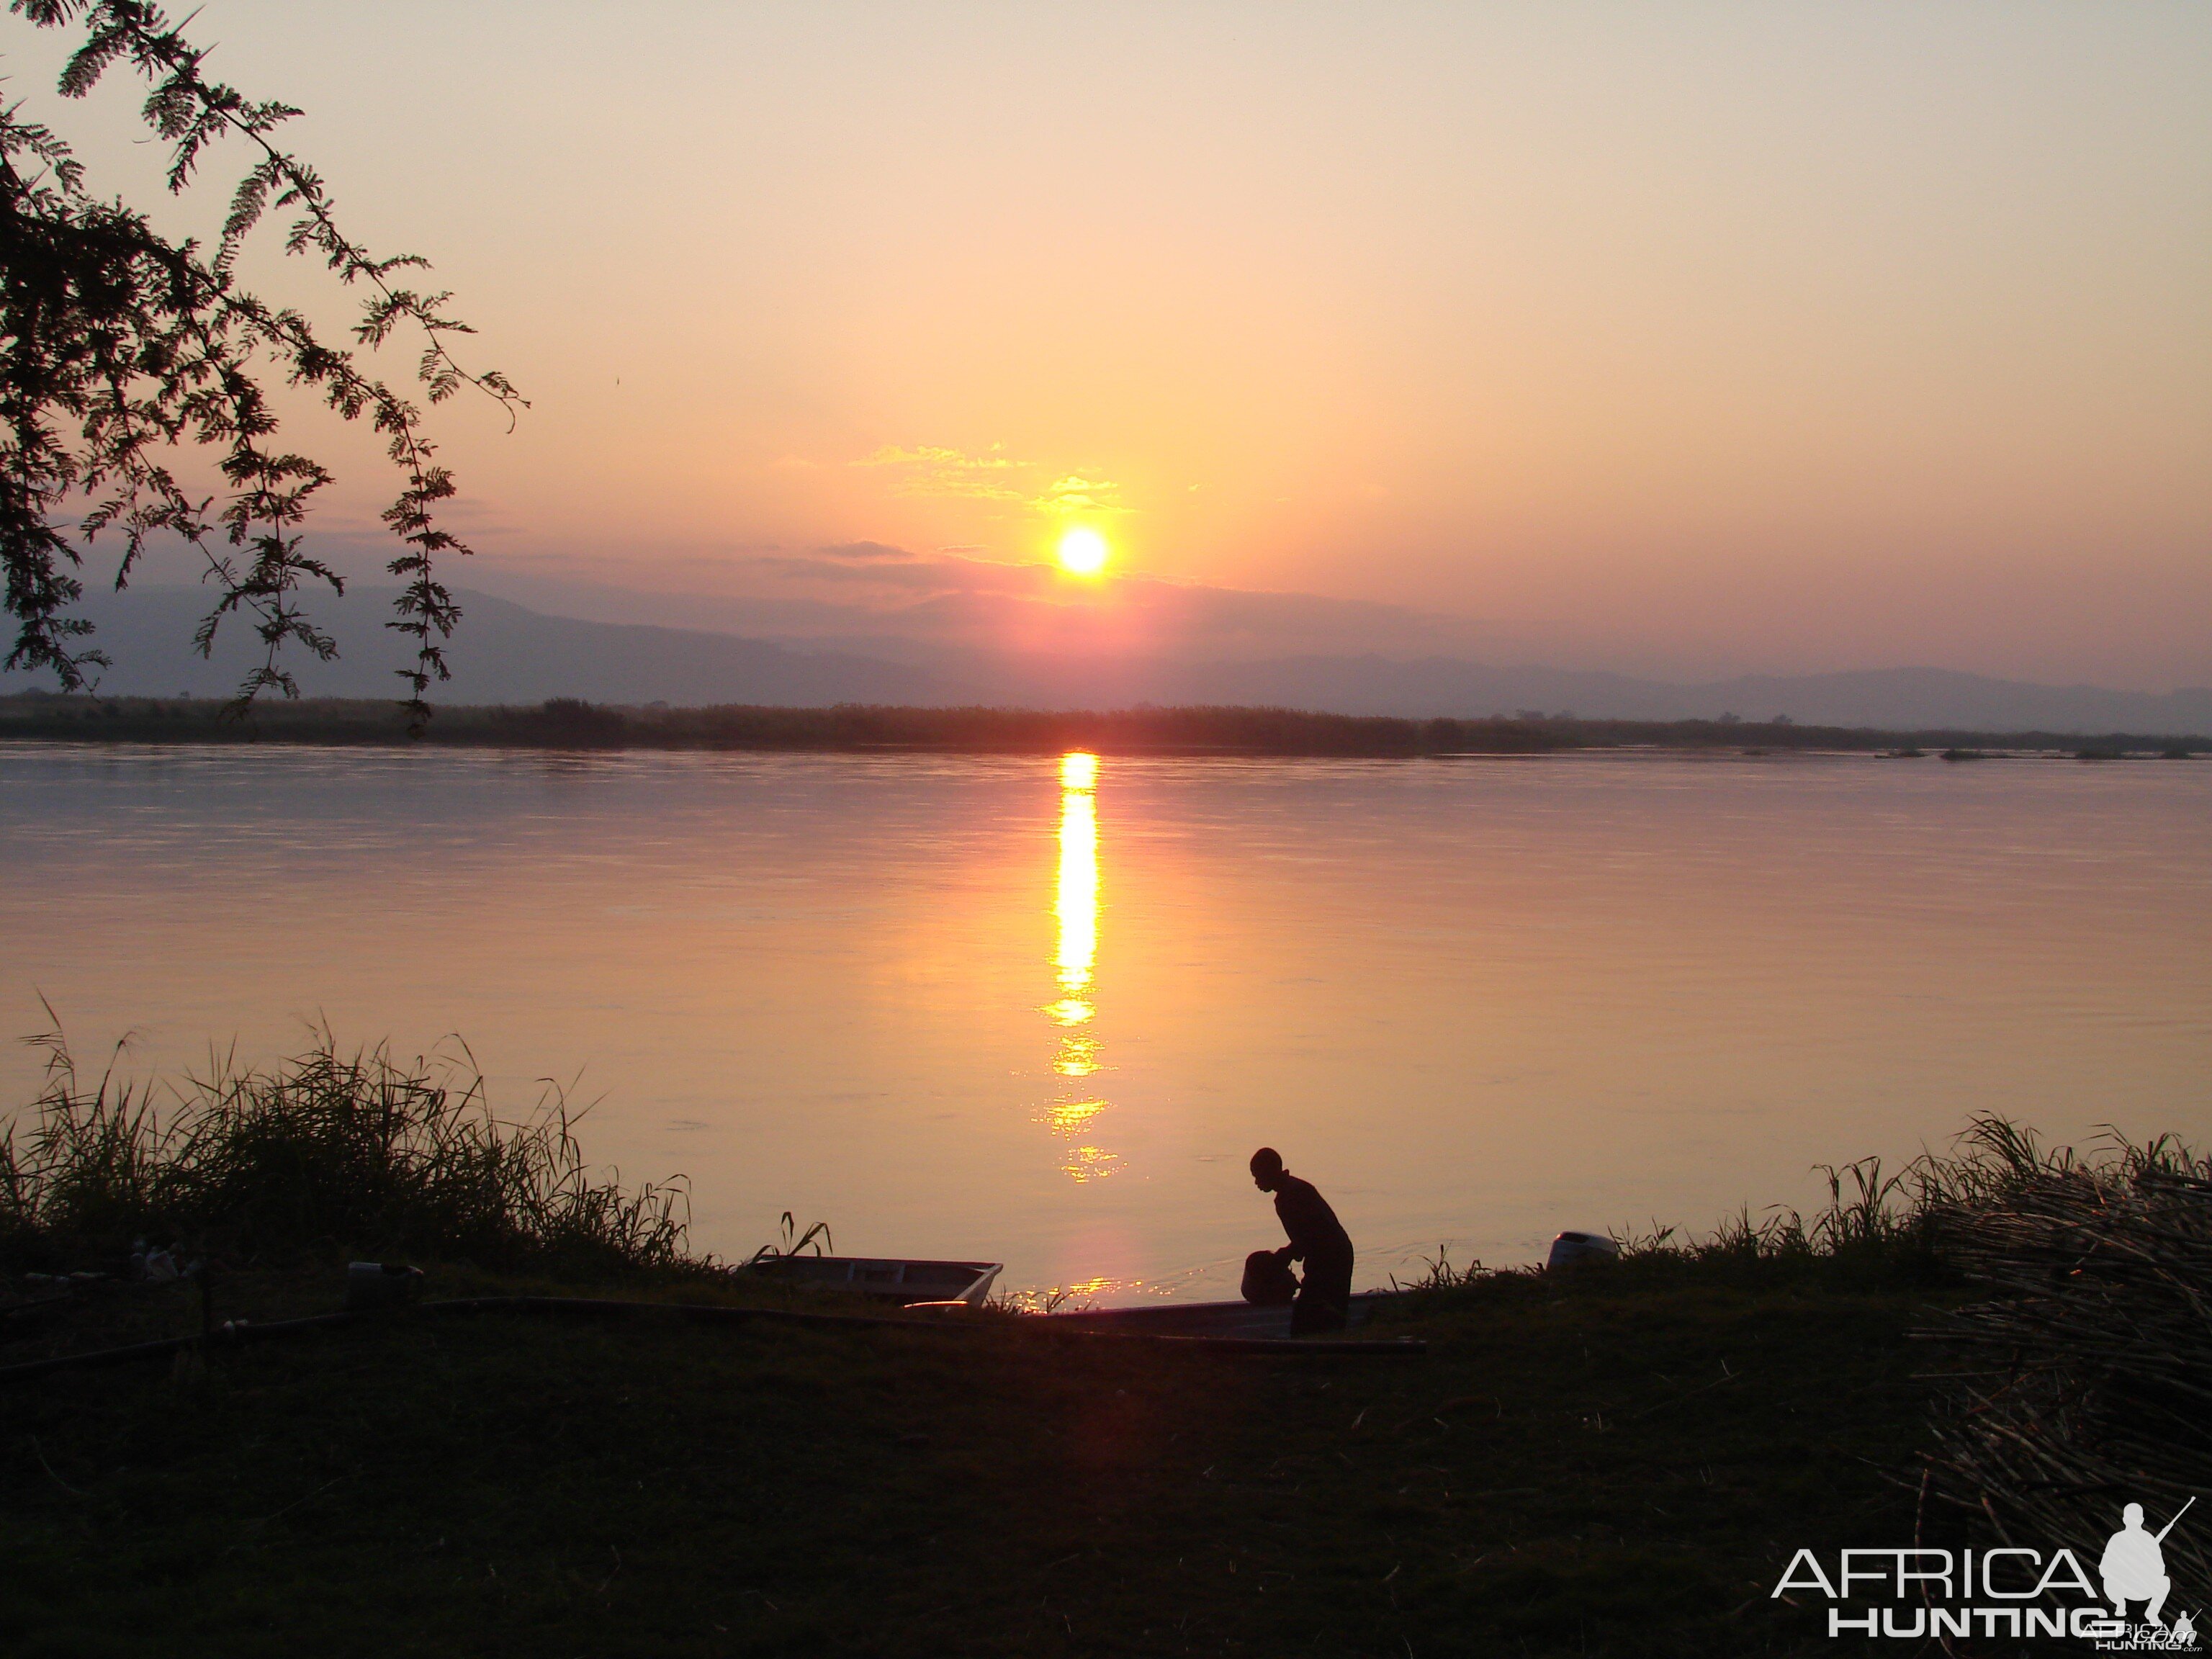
(508, 652)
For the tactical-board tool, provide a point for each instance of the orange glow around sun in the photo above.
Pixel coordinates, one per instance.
(1083, 552)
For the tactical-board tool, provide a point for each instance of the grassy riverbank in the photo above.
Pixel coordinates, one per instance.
(1620, 1458)
(1619, 1464)
(566, 723)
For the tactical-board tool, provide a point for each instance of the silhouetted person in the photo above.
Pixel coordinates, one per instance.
(1317, 1238)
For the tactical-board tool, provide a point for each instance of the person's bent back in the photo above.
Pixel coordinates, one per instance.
(1317, 1238)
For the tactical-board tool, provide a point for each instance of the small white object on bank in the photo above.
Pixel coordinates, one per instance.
(1578, 1250)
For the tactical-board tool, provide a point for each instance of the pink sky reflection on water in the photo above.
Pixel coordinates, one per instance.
(1476, 1001)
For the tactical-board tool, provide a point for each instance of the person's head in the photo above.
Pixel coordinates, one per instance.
(1266, 1168)
(2132, 1516)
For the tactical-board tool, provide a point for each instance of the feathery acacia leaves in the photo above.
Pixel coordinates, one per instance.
(116, 343)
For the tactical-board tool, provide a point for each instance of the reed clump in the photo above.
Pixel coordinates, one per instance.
(2082, 1363)
(2081, 1373)
(325, 1152)
(1876, 1225)
(1875, 1231)
(2087, 1374)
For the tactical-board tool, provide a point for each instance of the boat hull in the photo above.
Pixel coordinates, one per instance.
(885, 1279)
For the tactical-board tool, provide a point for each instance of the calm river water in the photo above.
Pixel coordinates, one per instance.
(1040, 1011)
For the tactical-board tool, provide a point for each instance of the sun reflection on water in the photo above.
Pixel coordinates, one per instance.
(1069, 1116)
(1075, 907)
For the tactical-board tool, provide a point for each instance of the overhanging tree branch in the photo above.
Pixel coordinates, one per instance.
(116, 346)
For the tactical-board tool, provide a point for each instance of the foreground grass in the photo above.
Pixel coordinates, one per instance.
(321, 1154)
(1618, 1464)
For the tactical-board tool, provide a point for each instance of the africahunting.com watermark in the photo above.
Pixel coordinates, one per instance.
(2022, 1594)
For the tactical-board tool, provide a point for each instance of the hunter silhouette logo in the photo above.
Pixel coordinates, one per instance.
(2134, 1567)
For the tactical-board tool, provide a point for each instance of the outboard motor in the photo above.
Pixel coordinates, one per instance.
(1578, 1249)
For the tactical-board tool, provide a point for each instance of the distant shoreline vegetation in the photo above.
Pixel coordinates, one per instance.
(571, 723)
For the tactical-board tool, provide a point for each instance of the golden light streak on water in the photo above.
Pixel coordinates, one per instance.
(1075, 907)
(1069, 1116)
(1090, 1164)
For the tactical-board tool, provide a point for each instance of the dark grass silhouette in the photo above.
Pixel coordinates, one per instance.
(2087, 1374)
(2075, 1373)
(321, 1154)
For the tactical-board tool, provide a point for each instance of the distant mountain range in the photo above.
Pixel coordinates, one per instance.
(507, 652)
(502, 652)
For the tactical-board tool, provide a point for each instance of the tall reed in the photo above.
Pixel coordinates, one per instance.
(1873, 1223)
(323, 1152)
(2086, 1380)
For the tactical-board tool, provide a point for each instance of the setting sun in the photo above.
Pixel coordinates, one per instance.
(1083, 552)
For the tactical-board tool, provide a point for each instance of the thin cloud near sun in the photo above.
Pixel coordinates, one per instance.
(1076, 494)
(935, 470)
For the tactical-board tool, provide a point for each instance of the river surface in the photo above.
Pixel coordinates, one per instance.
(1040, 1011)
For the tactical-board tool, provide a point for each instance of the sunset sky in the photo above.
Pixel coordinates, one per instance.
(1684, 339)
